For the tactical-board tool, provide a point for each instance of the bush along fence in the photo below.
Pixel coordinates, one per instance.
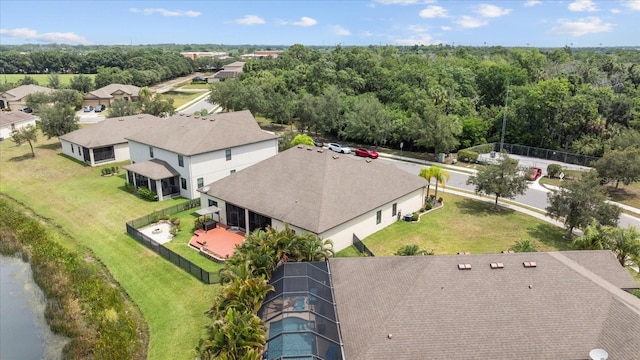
(361, 247)
(557, 155)
(193, 269)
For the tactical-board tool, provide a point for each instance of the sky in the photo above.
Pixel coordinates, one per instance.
(576, 23)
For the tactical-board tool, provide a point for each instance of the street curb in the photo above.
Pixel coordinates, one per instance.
(187, 105)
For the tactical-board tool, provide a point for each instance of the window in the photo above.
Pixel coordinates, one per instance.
(394, 209)
(379, 217)
(151, 151)
(227, 153)
(180, 160)
(73, 151)
(183, 181)
(200, 182)
(213, 203)
(233, 171)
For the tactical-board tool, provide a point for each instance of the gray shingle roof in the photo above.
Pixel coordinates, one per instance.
(22, 91)
(188, 135)
(106, 91)
(561, 309)
(314, 190)
(110, 131)
(154, 169)
(15, 116)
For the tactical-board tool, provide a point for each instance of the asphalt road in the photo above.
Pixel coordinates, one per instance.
(535, 197)
(202, 104)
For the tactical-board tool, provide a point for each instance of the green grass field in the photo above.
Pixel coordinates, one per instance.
(42, 79)
(93, 210)
(180, 98)
(467, 225)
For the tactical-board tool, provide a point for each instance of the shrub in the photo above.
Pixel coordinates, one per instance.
(415, 216)
(175, 221)
(467, 156)
(174, 230)
(428, 206)
(147, 195)
(440, 200)
(113, 170)
(408, 250)
(554, 170)
(129, 187)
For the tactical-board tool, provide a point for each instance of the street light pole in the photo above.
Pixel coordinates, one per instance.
(504, 119)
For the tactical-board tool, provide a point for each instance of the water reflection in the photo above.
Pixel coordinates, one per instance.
(24, 333)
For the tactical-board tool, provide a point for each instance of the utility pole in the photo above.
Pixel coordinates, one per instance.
(504, 119)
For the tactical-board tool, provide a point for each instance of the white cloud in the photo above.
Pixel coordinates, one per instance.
(403, 2)
(433, 11)
(419, 39)
(532, 3)
(615, 11)
(340, 31)
(634, 5)
(250, 20)
(589, 25)
(446, 28)
(165, 12)
(305, 22)
(492, 11)
(467, 21)
(583, 5)
(51, 37)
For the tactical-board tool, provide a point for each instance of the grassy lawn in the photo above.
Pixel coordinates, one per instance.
(181, 98)
(624, 194)
(42, 79)
(93, 211)
(191, 86)
(351, 251)
(467, 225)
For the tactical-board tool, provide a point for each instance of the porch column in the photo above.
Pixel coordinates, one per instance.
(159, 189)
(246, 221)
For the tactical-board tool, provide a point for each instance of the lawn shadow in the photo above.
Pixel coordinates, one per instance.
(52, 146)
(550, 235)
(23, 157)
(74, 160)
(621, 194)
(274, 127)
(481, 208)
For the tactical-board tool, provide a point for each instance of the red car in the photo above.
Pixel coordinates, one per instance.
(366, 153)
(532, 174)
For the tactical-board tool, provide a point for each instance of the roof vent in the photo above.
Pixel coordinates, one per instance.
(205, 189)
(308, 148)
(464, 253)
(529, 264)
(497, 265)
(320, 150)
(508, 252)
(368, 160)
(196, 117)
(181, 114)
(299, 146)
(336, 156)
(121, 119)
(188, 115)
(464, 266)
(598, 354)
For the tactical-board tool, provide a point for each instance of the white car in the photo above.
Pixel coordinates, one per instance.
(339, 148)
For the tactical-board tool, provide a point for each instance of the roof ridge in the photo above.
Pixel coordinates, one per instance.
(624, 297)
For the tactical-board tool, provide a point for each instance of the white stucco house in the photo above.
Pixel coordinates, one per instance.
(10, 120)
(180, 154)
(315, 190)
(17, 97)
(105, 142)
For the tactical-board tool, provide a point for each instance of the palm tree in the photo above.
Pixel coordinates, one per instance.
(236, 336)
(440, 175)
(243, 295)
(425, 173)
(592, 239)
(626, 245)
(524, 246)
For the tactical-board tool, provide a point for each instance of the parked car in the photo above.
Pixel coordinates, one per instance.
(100, 108)
(317, 142)
(199, 79)
(88, 108)
(366, 153)
(339, 148)
(27, 110)
(533, 173)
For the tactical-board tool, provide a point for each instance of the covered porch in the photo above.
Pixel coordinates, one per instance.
(155, 175)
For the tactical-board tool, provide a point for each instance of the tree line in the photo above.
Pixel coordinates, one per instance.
(443, 98)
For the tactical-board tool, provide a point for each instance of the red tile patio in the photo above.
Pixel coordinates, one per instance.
(219, 242)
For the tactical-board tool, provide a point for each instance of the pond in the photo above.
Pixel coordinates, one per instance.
(24, 333)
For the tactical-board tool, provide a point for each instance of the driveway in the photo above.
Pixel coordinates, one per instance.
(89, 117)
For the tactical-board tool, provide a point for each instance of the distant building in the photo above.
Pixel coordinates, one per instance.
(228, 71)
(263, 53)
(193, 55)
(107, 94)
(16, 97)
(10, 120)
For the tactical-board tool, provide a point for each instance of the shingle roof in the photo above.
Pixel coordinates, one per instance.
(315, 190)
(106, 91)
(188, 135)
(15, 116)
(22, 91)
(110, 131)
(154, 169)
(560, 309)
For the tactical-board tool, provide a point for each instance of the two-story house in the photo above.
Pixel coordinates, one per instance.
(180, 154)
